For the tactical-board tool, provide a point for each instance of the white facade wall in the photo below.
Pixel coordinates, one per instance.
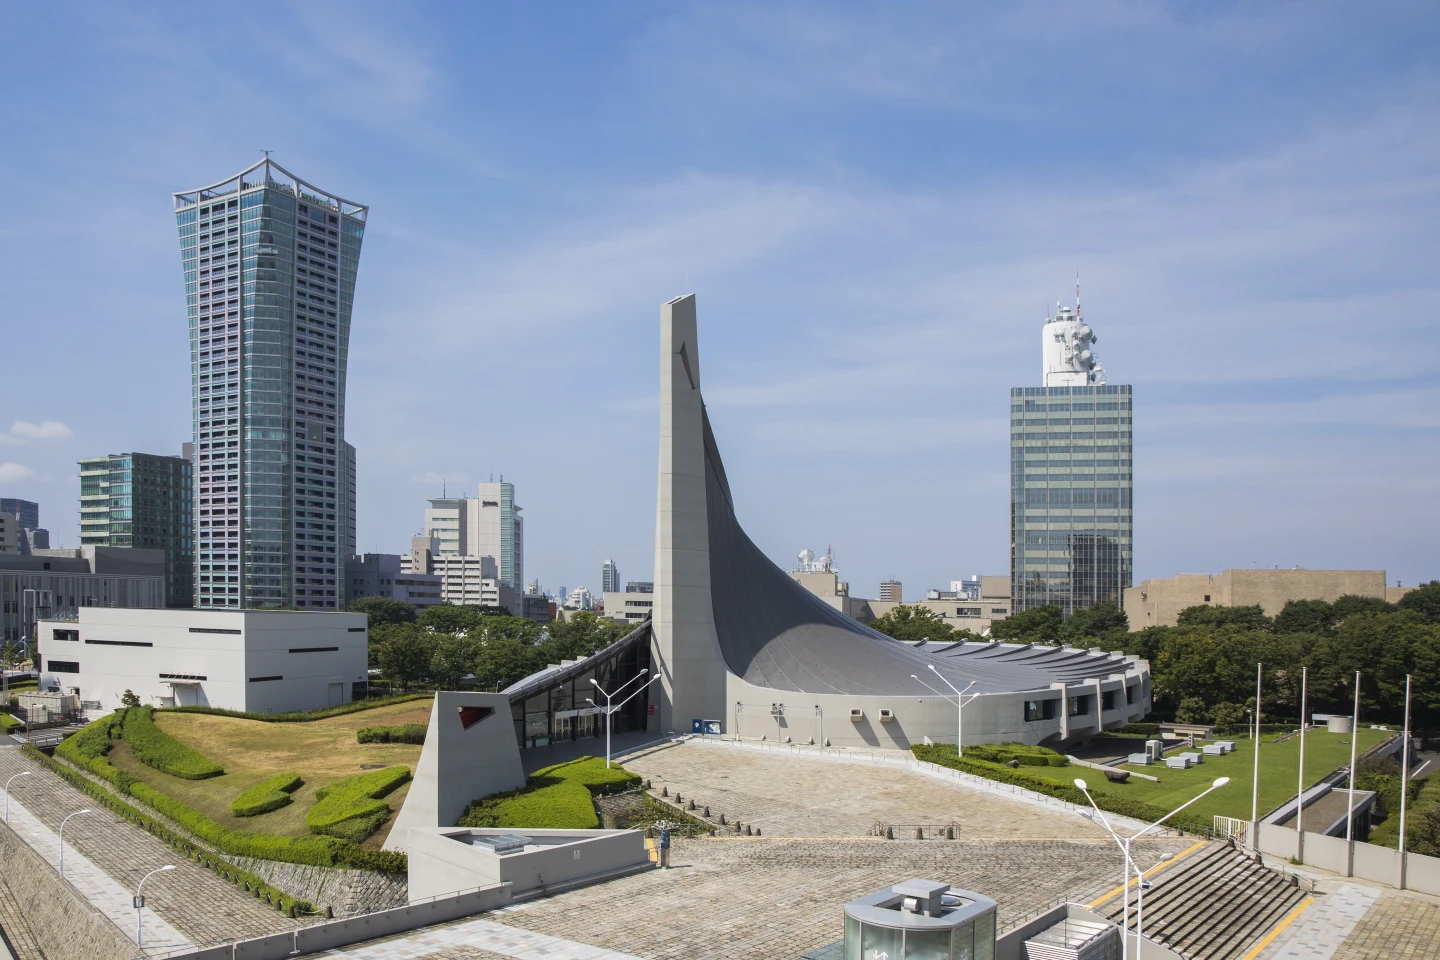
(628, 607)
(265, 661)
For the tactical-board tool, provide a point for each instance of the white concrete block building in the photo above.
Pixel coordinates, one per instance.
(265, 661)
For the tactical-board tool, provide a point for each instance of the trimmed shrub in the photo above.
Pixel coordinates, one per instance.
(346, 807)
(1027, 756)
(543, 803)
(158, 749)
(9, 723)
(591, 773)
(267, 795)
(944, 755)
(304, 716)
(401, 733)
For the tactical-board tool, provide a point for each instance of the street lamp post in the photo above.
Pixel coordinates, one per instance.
(1129, 864)
(959, 708)
(62, 837)
(608, 710)
(7, 792)
(140, 903)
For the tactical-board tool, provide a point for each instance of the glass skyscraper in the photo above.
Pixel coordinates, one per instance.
(1071, 479)
(142, 500)
(270, 263)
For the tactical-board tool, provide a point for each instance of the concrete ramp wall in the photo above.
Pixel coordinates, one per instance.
(1372, 862)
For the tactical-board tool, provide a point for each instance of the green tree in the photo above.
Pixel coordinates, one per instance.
(1351, 604)
(1036, 625)
(383, 610)
(449, 618)
(504, 659)
(913, 624)
(452, 659)
(1305, 616)
(579, 635)
(1204, 615)
(1087, 625)
(1424, 599)
(405, 655)
(1228, 714)
(129, 699)
(1191, 710)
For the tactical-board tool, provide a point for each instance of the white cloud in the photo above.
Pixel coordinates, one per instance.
(15, 472)
(23, 431)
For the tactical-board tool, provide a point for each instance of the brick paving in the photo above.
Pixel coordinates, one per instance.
(199, 904)
(476, 940)
(788, 796)
(1397, 926)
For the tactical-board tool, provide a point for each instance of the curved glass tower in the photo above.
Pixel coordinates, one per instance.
(270, 263)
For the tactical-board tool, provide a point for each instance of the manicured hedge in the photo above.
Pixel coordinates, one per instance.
(281, 899)
(9, 722)
(401, 733)
(944, 755)
(351, 808)
(1423, 804)
(556, 798)
(305, 716)
(1028, 756)
(156, 748)
(267, 795)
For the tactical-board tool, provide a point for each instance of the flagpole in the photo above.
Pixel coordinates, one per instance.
(1350, 797)
(1300, 793)
(1404, 779)
(1255, 784)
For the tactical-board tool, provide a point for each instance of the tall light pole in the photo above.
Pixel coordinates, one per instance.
(7, 792)
(608, 710)
(959, 709)
(1300, 793)
(1255, 785)
(62, 837)
(140, 903)
(1404, 779)
(1350, 797)
(1130, 863)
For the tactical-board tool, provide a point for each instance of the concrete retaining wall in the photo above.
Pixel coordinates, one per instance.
(1011, 944)
(64, 924)
(1372, 862)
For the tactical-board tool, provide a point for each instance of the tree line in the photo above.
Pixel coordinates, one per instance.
(444, 646)
(1203, 668)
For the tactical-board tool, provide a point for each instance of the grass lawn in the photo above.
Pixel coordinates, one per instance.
(1325, 752)
(320, 751)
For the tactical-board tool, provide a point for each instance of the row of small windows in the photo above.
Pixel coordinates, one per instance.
(1098, 390)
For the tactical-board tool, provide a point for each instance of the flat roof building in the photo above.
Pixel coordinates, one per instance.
(143, 500)
(1158, 602)
(383, 575)
(265, 661)
(59, 582)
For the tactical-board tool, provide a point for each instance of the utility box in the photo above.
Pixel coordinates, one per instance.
(920, 920)
(1155, 749)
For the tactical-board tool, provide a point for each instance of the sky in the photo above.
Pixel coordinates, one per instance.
(873, 204)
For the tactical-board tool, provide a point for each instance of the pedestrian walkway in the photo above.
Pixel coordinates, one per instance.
(92, 883)
(1318, 931)
(477, 938)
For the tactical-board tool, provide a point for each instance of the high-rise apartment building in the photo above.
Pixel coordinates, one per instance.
(27, 512)
(270, 263)
(486, 526)
(891, 591)
(1071, 509)
(142, 500)
(609, 577)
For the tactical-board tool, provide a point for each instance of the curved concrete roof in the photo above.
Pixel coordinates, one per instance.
(775, 633)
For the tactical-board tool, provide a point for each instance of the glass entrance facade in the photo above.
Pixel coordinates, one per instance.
(561, 710)
(1071, 507)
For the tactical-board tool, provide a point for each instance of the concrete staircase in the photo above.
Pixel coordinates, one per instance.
(1213, 905)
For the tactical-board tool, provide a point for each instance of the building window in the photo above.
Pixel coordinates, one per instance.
(1130, 694)
(1207, 598)
(72, 635)
(1040, 709)
(1079, 706)
(264, 679)
(64, 666)
(1107, 700)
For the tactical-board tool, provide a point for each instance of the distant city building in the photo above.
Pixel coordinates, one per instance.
(142, 500)
(9, 534)
(464, 580)
(237, 660)
(891, 591)
(382, 575)
(640, 586)
(58, 582)
(33, 540)
(537, 607)
(26, 512)
(631, 606)
(580, 599)
(1071, 508)
(273, 476)
(609, 577)
(486, 526)
(1158, 603)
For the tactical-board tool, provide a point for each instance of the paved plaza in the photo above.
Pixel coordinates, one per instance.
(791, 796)
(110, 855)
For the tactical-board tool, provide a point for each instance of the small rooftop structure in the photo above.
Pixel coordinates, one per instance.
(1075, 939)
(920, 918)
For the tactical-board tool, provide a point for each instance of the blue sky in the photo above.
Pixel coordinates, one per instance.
(873, 204)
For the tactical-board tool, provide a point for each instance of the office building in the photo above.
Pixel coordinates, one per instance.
(58, 582)
(1071, 511)
(383, 575)
(464, 580)
(580, 599)
(640, 586)
(272, 488)
(891, 591)
(631, 606)
(1158, 602)
(265, 661)
(9, 534)
(142, 500)
(28, 535)
(489, 525)
(26, 512)
(609, 577)
(537, 607)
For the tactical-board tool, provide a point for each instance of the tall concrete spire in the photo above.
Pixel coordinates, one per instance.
(687, 648)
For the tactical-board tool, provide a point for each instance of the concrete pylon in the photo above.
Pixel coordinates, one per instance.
(686, 647)
(470, 752)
